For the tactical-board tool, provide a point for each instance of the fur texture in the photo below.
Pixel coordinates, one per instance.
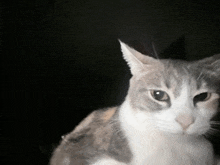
(166, 113)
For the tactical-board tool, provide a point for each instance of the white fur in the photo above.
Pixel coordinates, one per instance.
(107, 161)
(166, 121)
(171, 136)
(151, 146)
(165, 137)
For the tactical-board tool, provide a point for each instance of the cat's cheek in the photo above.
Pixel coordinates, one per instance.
(198, 128)
(213, 105)
(165, 121)
(206, 112)
(210, 107)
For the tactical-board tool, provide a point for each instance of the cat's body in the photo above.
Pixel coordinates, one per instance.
(97, 136)
(161, 122)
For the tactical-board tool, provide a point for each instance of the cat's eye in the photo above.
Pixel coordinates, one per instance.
(159, 95)
(201, 97)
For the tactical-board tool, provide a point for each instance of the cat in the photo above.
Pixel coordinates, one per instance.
(163, 120)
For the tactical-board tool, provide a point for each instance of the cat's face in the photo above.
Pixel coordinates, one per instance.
(174, 96)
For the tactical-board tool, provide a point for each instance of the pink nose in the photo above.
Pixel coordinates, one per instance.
(185, 120)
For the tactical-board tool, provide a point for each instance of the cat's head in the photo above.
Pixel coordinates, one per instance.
(175, 96)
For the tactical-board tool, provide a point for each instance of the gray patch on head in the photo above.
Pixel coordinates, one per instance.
(176, 74)
(203, 76)
(173, 74)
(139, 92)
(142, 90)
(199, 78)
(168, 84)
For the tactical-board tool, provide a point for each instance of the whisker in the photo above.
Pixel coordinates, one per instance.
(215, 125)
(185, 70)
(155, 52)
(214, 129)
(215, 122)
(199, 75)
(213, 63)
(212, 132)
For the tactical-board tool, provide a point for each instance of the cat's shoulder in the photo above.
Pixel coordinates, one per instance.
(85, 142)
(96, 123)
(94, 119)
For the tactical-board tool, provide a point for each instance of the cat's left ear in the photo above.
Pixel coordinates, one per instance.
(136, 61)
(211, 64)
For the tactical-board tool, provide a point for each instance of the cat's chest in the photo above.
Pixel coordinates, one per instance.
(165, 152)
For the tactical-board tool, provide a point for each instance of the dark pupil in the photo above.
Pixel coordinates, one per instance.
(200, 97)
(158, 95)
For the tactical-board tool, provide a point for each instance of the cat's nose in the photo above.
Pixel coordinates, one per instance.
(185, 120)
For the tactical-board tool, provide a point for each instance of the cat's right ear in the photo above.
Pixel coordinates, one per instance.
(136, 61)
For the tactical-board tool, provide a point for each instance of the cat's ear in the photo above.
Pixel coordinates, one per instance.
(211, 64)
(136, 61)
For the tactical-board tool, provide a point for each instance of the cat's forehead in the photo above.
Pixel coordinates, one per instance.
(175, 75)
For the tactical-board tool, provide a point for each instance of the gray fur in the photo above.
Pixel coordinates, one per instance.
(100, 134)
(98, 139)
(172, 73)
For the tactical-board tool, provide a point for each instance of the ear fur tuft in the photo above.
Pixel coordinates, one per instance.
(136, 61)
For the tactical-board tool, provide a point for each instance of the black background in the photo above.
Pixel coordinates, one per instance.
(61, 60)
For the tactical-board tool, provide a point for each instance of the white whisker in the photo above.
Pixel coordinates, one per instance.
(212, 132)
(155, 52)
(215, 122)
(185, 70)
(199, 75)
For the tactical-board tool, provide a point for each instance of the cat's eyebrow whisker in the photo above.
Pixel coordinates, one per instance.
(155, 52)
(185, 70)
(213, 63)
(199, 75)
(203, 76)
(188, 67)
